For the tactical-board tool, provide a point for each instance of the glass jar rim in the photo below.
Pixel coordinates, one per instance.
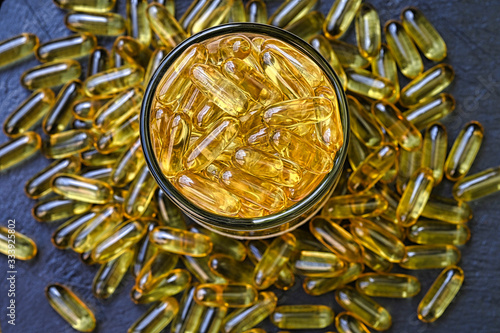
(235, 223)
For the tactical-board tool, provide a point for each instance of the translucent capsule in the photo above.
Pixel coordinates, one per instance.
(165, 25)
(94, 158)
(340, 17)
(415, 197)
(365, 83)
(59, 115)
(145, 249)
(354, 205)
(70, 307)
(140, 194)
(155, 269)
(368, 34)
(17, 48)
(158, 55)
(396, 125)
(224, 245)
(51, 74)
(100, 24)
(16, 245)
(323, 46)
(212, 14)
(114, 80)
(243, 319)
(357, 152)
(423, 33)
(93, 6)
(19, 149)
(298, 112)
(128, 165)
(402, 48)
(316, 263)
(290, 11)
(302, 316)
(430, 256)
(256, 11)
(384, 65)
(119, 136)
(364, 125)
(434, 149)
(82, 189)
(61, 238)
(447, 210)
(157, 317)
(99, 60)
(138, 26)
(200, 268)
(57, 208)
(169, 214)
(307, 242)
(349, 55)
(464, 151)
(440, 294)
(85, 108)
(335, 238)
(257, 162)
(430, 110)
(74, 46)
(132, 51)
(172, 283)
(118, 109)
(376, 262)
(234, 295)
(118, 241)
(437, 232)
(345, 322)
(409, 162)
(390, 227)
(231, 269)
(477, 185)
(318, 286)
(181, 241)
(308, 25)
(177, 134)
(190, 313)
(388, 285)
(427, 84)
(110, 275)
(101, 174)
(237, 12)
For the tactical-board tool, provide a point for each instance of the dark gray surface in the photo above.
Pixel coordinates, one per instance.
(470, 29)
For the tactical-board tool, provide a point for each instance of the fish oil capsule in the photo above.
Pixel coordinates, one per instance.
(17, 48)
(365, 83)
(376, 262)
(157, 317)
(354, 205)
(340, 17)
(388, 285)
(372, 169)
(440, 294)
(233, 295)
(447, 210)
(169, 214)
(100, 174)
(409, 162)
(402, 48)
(335, 238)
(119, 136)
(396, 125)
(74, 46)
(118, 109)
(345, 322)
(85, 108)
(51, 74)
(212, 14)
(241, 320)
(384, 65)
(364, 308)
(415, 196)
(256, 11)
(57, 208)
(298, 112)
(199, 267)
(477, 185)
(138, 26)
(190, 313)
(237, 12)
(364, 125)
(368, 34)
(357, 152)
(349, 55)
(61, 238)
(423, 33)
(437, 232)
(122, 237)
(307, 242)
(427, 84)
(249, 210)
(389, 226)
(99, 60)
(291, 11)
(257, 162)
(316, 263)
(16, 245)
(329, 132)
(464, 151)
(82, 189)
(93, 6)
(94, 158)
(224, 245)
(140, 194)
(177, 134)
(70, 307)
(59, 116)
(114, 80)
(155, 269)
(165, 25)
(99, 24)
(29, 112)
(308, 25)
(318, 286)
(181, 241)
(132, 51)
(110, 275)
(302, 316)
(430, 256)
(231, 270)
(430, 110)
(156, 57)
(128, 165)
(434, 149)
(19, 149)
(323, 46)
(174, 282)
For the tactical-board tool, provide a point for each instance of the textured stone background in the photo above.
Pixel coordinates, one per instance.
(470, 28)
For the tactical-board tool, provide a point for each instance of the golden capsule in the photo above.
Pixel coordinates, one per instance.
(384, 65)
(70, 307)
(223, 245)
(434, 149)
(349, 55)
(99, 60)
(234, 295)
(307, 242)
(440, 294)
(19, 149)
(447, 210)
(231, 269)
(430, 256)
(99, 24)
(318, 286)
(297, 112)
(402, 48)
(157, 317)
(191, 13)
(51, 74)
(256, 11)
(291, 11)
(119, 136)
(156, 57)
(165, 25)
(354, 205)
(237, 12)
(140, 194)
(199, 267)
(93, 6)
(177, 134)
(74, 46)
(357, 152)
(17, 48)
(345, 322)
(323, 46)
(132, 51)
(94, 158)
(138, 26)
(210, 15)
(390, 226)
(249, 210)
(172, 283)
(308, 25)
(376, 262)
(257, 162)
(409, 162)
(437, 232)
(114, 80)
(368, 34)
(430, 110)
(155, 269)
(57, 208)
(181, 241)
(340, 17)
(110, 275)
(169, 214)
(329, 133)
(365, 83)
(16, 245)
(477, 185)
(388, 285)
(427, 84)
(415, 197)
(464, 151)
(101, 174)
(59, 115)
(302, 316)
(190, 313)
(85, 108)
(82, 189)
(128, 165)
(61, 238)
(317, 264)
(364, 125)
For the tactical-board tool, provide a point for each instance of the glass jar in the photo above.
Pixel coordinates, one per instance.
(259, 227)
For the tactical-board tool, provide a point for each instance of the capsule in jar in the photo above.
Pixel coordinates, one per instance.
(388, 285)
(430, 256)
(234, 295)
(430, 110)
(114, 80)
(339, 18)
(110, 275)
(17, 48)
(298, 112)
(51, 74)
(477, 185)
(165, 25)
(354, 205)
(402, 48)
(157, 317)
(99, 24)
(74, 46)
(19, 149)
(302, 316)
(290, 11)
(363, 82)
(434, 149)
(368, 34)
(257, 162)
(415, 197)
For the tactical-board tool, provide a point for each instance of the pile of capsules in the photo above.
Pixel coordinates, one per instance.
(117, 218)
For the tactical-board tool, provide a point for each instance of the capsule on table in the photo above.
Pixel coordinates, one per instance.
(415, 197)
(384, 65)
(132, 51)
(82, 189)
(339, 18)
(318, 286)
(409, 163)
(402, 48)
(51, 74)
(447, 210)
(99, 60)
(231, 269)
(308, 25)
(464, 151)
(237, 12)
(241, 320)
(57, 208)
(99, 24)
(302, 316)
(114, 80)
(128, 165)
(430, 256)
(190, 313)
(210, 15)
(110, 275)
(118, 136)
(354, 205)
(118, 109)
(376, 262)
(357, 152)
(200, 268)
(138, 26)
(423, 33)
(233, 295)
(156, 57)
(85, 108)
(157, 317)
(19, 149)
(224, 245)
(345, 322)
(323, 46)
(94, 158)
(364, 125)
(61, 238)
(140, 194)
(17, 48)
(317, 264)
(165, 25)
(256, 11)
(477, 185)
(59, 115)
(74, 46)
(103, 174)
(155, 269)
(438, 232)
(291, 11)
(430, 110)
(23, 247)
(434, 149)
(181, 241)
(365, 83)
(93, 6)
(172, 283)
(388, 285)
(368, 34)
(168, 213)
(348, 55)
(427, 84)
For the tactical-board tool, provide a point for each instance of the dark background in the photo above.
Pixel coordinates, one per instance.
(470, 29)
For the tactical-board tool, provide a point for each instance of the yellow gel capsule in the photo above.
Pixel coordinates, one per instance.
(74, 46)
(19, 149)
(368, 34)
(357, 152)
(121, 238)
(16, 245)
(423, 33)
(348, 55)
(354, 205)
(140, 194)
(85, 108)
(119, 136)
(155, 269)
(308, 25)
(224, 245)
(102, 174)
(440, 294)
(389, 226)
(57, 208)
(340, 17)
(409, 162)
(99, 24)
(132, 51)
(345, 322)
(110, 275)
(464, 151)
(430, 110)
(335, 238)
(172, 283)
(199, 267)
(233, 295)
(191, 13)
(257, 162)
(438, 232)
(156, 57)
(376, 262)
(98, 61)
(181, 241)
(17, 48)
(249, 210)
(364, 308)
(427, 84)
(388, 285)
(297, 112)
(92, 6)
(231, 270)
(237, 12)
(392, 200)
(291, 11)
(323, 46)
(403, 50)
(138, 26)
(165, 25)
(177, 134)
(447, 210)
(430, 256)
(212, 14)
(114, 80)
(190, 313)
(302, 316)
(256, 11)
(157, 317)
(384, 65)
(372, 169)
(70, 307)
(118, 109)
(415, 197)
(82, 189)
(61, 238)
(365, 83)
(168, 213)
(238, 46)
(318, 286)
(434, 149)
(316, 263)
(329, 132)
(51, 74)
(477, 185)
(94, 158)
(396, 125)
(364, 125)
(59, 116)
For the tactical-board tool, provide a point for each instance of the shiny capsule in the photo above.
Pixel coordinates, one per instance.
(256, 11)
(181, 241)
(200, 268)
(192, 13)
(477, 185)
(402, 48)
(348, 55)
(415, 197)
(430, 256)
(128, 165)
(168, 213)
(388, 285)
(232, 270)
(165, 25)
(447, 210)
(257, 162)
(298, 112)
(110, 275)
(156, 57)
(224, 245)
(339, 18)
(59, 116)
(16, 245)
(237, 12)
(318, 286)
(82, 189)
(74, 46)
(365, 83)
(177, 134)
(302, 316)
(17, 48)
(434, 149)
(212, 14)
(175, 281)
(156, 269)
(323, 46)
(290, 11)
(157, 317)
(190, 313)
(118, 241)
(138, 25)
(61, 238)
(114, 80)
(99, 24)
(140, 194)
(364, 125)
(409, 162)
(308, 25)
(57, 208)
(354, 205)
(233, 295)
(345, 322)
(368, 34)
(384, 65)
(132, 51)
(119, 136)
(376, 262)
(99, 60)
(19, 149)
(93, 6)
(430, 110)
(316, 263)
(438, 232)
(51, 74)
(85, 108)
